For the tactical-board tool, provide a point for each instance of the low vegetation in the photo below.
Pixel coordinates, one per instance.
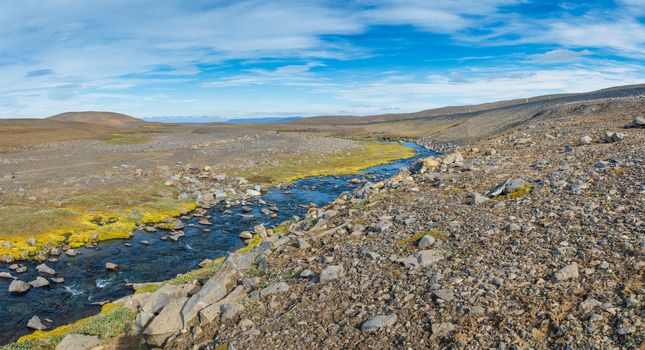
(287, 168)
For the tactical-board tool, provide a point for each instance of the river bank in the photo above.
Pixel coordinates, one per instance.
(177, 256)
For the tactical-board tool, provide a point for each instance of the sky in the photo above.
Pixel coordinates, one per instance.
(237, 59)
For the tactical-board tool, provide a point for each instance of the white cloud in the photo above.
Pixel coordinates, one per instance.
(559, 55)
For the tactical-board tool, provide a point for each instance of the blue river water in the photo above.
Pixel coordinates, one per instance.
(87, 281)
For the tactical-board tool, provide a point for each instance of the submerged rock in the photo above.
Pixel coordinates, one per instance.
(36, 324)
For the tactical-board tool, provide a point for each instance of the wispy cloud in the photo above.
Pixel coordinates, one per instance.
(145, 56)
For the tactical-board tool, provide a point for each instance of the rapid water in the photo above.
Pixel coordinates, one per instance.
(87, 281)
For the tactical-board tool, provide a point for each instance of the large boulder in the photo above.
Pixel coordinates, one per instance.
(162, 296)
(36, 324)
(78, 342)
(166, 324)
(213, 311)
(18, 287)
(214, 290)
(44, 269)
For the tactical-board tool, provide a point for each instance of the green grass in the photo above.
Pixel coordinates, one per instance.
(289, 168)
(128, 138)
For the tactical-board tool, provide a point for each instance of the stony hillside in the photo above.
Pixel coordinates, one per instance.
(531, 239)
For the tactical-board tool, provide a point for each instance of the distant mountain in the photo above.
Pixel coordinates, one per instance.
(268, 120)
(101, 118)
(186, 119)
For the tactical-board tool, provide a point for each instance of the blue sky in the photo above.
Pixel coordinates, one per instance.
(232, 59)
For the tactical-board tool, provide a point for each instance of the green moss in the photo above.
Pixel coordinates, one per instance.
(128, 138)
(109, 323)
(414, 239)
(199, 274)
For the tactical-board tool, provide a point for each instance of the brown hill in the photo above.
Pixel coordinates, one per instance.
(100, 118)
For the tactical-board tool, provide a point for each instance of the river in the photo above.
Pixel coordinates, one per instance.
(87, 281)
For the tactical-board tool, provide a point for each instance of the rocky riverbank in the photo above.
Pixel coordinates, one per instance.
(531, 239)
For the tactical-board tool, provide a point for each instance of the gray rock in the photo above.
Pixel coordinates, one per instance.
(39, 282)
(586, 140)
(78, 342)
(278, 287)
(302, 244)
(213, 311)
(376, 323)
(442, 329)
(166, 324)
(444, 294)
(331, 273)
(162, 296)
(44, 269)
(638, 122)
(36, 323)
(6, 275)
(230, 311)
(307, 273)
(18, 287)
(567, 273)
(612, 137)
(475, 198)
(426, 241)
(588, 305)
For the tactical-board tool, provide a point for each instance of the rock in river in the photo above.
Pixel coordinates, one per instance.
(44, 269)
(18, 287)
(36, 323)
(111, 266)
(39, 282)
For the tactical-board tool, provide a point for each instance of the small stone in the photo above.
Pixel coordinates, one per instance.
(302, 244)
(586, 140)
(567, 273)
(229, 311)
(39, 282)
(307, 273)
(376, 323)
(71, 252)
(426, 241)
(331, 273)
(441, 329)
(111, 266)
(279, 287)
(79, 342)
(44, 269)
(475, 198)
(36, 323)
(6, 275)
(246, 235)
(444, 294)
(18, 287)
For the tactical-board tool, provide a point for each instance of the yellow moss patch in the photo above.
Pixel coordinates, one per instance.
(199, 274)
(367, 155)
(416, 237)
(255, 241)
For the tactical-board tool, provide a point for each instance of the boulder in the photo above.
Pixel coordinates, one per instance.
(612, 137)
(213, 311)
(18, 287)
(162, 296)
(278, 287)
(166, 324)
(214, 290)
(44, 269)
(78, 342)
(36, 324)
(426, 241)
(331, 273)
(230, 311)
(475, 198)
(376, 323)
(39, 282)
(638, 122)
(567, 273)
